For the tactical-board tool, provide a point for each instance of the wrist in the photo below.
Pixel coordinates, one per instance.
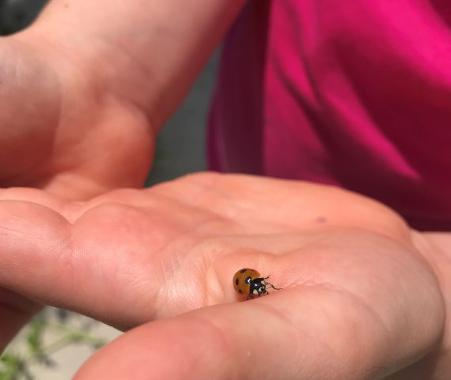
(144, 53)
(87, 64)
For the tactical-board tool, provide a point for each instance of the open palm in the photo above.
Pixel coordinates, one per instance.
(355, 281)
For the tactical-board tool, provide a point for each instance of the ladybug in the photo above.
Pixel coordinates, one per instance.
(250, 283)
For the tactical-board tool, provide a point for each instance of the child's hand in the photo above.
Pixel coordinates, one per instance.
(360, 296)
(61, 128)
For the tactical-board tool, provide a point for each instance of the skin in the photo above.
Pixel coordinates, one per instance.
(103, 92)
(363, 297)
(79, 113)
(356, 280)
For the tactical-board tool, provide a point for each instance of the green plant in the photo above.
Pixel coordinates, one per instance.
(46, 334)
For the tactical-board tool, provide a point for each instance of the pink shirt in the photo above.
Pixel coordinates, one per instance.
(349, 93)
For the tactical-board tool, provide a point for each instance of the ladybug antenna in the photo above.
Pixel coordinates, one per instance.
(269, 284)
(272, 286)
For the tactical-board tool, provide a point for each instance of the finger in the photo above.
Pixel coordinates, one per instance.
(81, 266)
(34, 196)
(38, 260)
(33, 239)
(308, 333)
(16, 310)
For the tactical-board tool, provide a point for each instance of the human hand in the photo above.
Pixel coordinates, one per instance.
(86, 87)
(62, 128)
(362, 297)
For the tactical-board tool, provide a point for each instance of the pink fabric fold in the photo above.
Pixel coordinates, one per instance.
(355, 94)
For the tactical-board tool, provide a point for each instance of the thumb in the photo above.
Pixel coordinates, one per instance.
(309, 333)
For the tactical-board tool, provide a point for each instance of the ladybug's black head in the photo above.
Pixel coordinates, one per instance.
(257, 287)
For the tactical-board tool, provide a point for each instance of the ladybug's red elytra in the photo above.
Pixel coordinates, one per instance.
(250, 283)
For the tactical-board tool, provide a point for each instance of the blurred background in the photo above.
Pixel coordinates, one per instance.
(55, 344)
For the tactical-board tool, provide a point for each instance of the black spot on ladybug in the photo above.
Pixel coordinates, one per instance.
(237, 281)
